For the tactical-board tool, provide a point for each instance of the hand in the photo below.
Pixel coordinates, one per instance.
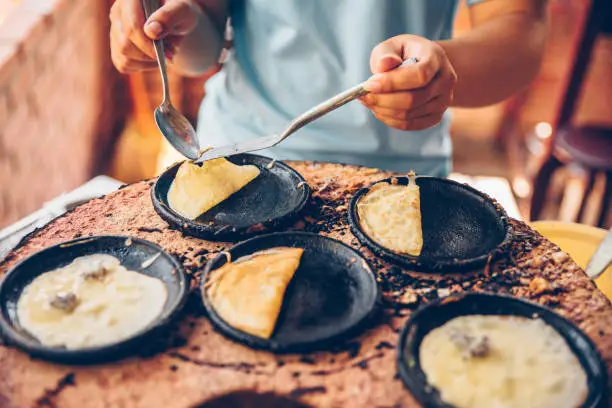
(131, 45)
(413, 97)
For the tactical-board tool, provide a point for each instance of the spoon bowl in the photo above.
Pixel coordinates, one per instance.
(177, 130)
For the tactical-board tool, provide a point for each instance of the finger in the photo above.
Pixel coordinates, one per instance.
(385, 56)
(128, 66)
(394, 123)
(399, 100)
(404, 99)
(139, 66)
(176, 17)
(405, 78)
(425, 122)
(126, 47)
(436, 105)
(420, 123)
(132, 22)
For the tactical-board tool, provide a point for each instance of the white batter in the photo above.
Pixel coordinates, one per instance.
(91, 302)
(502, 362)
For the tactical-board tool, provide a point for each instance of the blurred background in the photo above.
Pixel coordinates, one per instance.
(66, 115)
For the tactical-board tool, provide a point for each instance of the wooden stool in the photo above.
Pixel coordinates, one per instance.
(589, 147)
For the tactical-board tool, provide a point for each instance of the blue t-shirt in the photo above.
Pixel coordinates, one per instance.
(290, 55)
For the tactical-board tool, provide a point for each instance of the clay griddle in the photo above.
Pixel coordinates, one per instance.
(267, 203)
(463, 228)
(193, 364)
(331, 297)
(164, 267)
(437, 313)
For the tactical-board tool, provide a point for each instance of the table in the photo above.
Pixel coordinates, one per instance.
(96, 187)
(193, 365)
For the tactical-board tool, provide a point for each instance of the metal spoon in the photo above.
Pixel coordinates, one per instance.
(313, 114)
(171, 123)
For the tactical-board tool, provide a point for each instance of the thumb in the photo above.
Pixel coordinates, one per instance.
(385, 56)
(175, 17)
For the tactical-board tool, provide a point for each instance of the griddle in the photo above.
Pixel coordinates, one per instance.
(266, 204)
(463, 228)
(130, 253)
(331, 297)
(439, 312)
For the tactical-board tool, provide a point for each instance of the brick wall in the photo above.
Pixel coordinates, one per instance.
(58, 100)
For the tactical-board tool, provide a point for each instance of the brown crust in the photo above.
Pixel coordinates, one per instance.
(191, 363)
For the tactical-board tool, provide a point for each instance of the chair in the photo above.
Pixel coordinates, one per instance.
(588, 147)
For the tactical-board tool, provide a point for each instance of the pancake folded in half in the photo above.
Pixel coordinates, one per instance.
(390, 214)
(196, 189)
(248, 293)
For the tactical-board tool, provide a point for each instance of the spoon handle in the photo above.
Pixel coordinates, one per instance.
(331, 104)
(149, 7)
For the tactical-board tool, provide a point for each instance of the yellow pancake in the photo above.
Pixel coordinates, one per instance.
(196, 189)
(391, 216)
(248, 293)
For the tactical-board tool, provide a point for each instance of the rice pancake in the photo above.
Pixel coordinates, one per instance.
(391, 215)
(196, 189)
(248, 293)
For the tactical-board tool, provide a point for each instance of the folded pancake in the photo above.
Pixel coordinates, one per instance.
(390, 214)
(248, 293)
(196, 189)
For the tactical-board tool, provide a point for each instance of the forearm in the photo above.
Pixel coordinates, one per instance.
(200, 49)
(496, 59)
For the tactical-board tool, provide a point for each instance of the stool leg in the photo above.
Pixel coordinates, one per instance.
(588, 188)
(605, 203)
(541, 183)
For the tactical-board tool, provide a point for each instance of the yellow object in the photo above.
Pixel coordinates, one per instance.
(390, 214)
(248, 293)
(196, 189)
(91, 302)
(481, 361)
(580, 242)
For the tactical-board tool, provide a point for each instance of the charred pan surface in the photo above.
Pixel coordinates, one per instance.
(191, 363)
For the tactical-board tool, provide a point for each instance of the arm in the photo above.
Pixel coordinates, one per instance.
(498, 57)
(501, 54)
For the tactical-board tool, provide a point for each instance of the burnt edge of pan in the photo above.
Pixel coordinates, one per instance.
(279, 239)
(219, 232)
(438, 312)
(15, 281)
(425, 264)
